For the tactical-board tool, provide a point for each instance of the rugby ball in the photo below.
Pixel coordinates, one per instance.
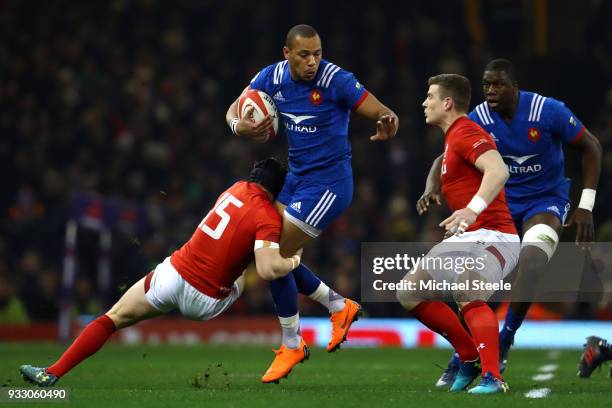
(263, 105)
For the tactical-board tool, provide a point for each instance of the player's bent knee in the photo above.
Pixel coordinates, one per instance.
(120, 316)
(124, 315)
(541, 236)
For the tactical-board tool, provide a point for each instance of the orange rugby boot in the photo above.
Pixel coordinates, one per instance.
(341, 323)
(284, 362)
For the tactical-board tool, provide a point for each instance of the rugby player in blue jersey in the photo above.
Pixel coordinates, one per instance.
(530, 131)
(315, 99)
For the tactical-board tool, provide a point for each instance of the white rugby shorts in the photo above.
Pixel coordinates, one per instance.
(498, 251)
(168, 291)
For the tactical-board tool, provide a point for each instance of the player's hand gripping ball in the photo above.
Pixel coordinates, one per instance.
(257, 105)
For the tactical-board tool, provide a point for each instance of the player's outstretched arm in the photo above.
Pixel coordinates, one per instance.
(247, 126)
(432, 187)
(387, 121)
(495, 174)
(591, 151)
(271, 265)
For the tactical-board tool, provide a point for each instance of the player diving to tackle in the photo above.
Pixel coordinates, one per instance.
(315, 99)
(472, 178)
(530, 131)
(205, 276)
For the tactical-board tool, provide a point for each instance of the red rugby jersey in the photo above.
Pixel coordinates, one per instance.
(465, 142)
(223, 244)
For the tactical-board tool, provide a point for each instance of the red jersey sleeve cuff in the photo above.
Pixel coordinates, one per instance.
(480, 149)
(360, 101)
(579, 135)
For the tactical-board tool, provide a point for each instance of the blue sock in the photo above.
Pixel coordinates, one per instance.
(284, 292)
(511, 325)
(307, 282)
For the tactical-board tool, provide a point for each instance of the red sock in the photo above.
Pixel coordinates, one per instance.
(91, 339)
(482, 323)
(441, 319)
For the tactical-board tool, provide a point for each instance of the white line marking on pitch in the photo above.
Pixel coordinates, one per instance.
(543, 377)
(546, 373)
(538, 393)
(548, 368)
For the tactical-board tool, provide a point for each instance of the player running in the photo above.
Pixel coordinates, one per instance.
(596, 352)
(315, 99)
(530, 130)
(472, 177)
(205, 276)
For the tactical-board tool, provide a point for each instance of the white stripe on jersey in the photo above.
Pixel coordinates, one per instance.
(255, 77)
(317, 206)
(482, 117)
(534, 103)
(326, 72)
(539, 111)
(535, 96)
(487, 112)
(330, 76)
(278, 72)
(478, 113)
(324, 210)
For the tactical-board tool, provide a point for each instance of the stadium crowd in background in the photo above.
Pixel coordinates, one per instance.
(127, 99)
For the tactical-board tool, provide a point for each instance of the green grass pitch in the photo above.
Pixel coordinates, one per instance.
(228, 376)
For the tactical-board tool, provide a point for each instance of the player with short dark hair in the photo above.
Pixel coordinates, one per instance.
(472, 180)
(530, 131)
(205, 276)
(315, 99)
(457, 87)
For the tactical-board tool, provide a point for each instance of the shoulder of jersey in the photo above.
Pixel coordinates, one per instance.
(484, 114)
(277, 70)
(274, 71)
(329, 71)
(267, 208)
(469, 126)
(536, 106)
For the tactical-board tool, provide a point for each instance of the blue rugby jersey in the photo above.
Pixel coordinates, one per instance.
(532, 143)
(316, 116)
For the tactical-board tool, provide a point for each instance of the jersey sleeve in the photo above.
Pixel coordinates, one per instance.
(268, 227)
(350, 93)
(470, 143)
(261, 81)
(564, 123)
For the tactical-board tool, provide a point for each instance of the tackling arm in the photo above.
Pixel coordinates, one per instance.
(271, 265)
